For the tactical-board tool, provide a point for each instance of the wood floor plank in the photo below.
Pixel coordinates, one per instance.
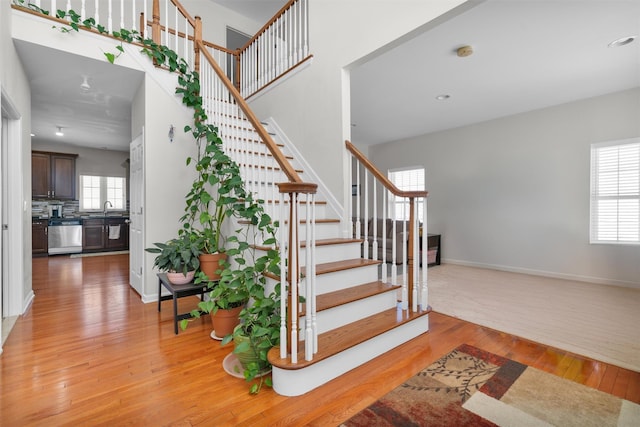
(89, 352)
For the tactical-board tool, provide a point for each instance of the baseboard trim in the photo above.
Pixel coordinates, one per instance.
(543, 273)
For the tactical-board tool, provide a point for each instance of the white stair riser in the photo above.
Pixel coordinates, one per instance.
(300, 381)
(327, 253)
(345, 279)
(335, 317)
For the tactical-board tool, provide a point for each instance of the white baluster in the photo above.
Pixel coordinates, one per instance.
(110, 18)
(358, 219)
(97, 12)
(312, 275)
(416, 258)
(385, 193)
(283, 281)
(133, 16)
(293, 280)
(394, 258)
(376, 232)
(122, 14)
(403, 242)
(83, 10)
(175, 27)
(424, 295)
(54, 9)
(68, 5)
(309, 295)
(366, 215)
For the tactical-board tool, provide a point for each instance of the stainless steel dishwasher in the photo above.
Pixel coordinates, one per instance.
(65, 236)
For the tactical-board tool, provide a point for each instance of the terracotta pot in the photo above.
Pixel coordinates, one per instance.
(225, 320)
(180, 278)
(210, 263)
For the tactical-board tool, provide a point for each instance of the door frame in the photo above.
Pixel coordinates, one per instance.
(14, 295)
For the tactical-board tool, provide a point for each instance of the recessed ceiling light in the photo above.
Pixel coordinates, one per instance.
(59, 131)
(443, 97)
(32, 135)
(622, 41)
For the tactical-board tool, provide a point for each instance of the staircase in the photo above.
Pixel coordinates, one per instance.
(356, 311)
(358, 315)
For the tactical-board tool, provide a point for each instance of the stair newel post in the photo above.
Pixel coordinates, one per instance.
(294, 189)
(236, 57)
(156, 29)
(197, 42)
(143, 25)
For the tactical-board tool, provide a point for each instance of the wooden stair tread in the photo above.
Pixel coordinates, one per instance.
(340, 339)
(354, 293)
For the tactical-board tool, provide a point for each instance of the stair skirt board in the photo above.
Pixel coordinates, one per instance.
(341, 315)
(296, 382)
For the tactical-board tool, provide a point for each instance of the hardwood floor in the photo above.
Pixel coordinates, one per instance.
(89, 352)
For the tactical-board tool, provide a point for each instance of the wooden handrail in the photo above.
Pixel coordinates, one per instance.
(380, 176)
(183, 11)
(284, 164)
(268, 24)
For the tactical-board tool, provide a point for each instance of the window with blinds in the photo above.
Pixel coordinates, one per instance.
(406, 180)
(615, 192)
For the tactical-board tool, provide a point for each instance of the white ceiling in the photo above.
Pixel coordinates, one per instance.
(97, 118)
(528, 54)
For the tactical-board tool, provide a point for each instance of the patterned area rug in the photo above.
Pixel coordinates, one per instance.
(472, 387)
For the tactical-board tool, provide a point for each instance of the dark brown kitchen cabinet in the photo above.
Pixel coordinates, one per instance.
(92, 234)
(39, 237)
(53, 175)
(105, 234)
(117, 233)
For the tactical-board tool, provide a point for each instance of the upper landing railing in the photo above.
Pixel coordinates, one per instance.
(279, 47)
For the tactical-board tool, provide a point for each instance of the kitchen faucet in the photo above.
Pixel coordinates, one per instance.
(105, 207)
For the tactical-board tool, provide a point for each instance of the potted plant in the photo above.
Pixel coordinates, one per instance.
(178, 257)
(227, 298)
(259, 328)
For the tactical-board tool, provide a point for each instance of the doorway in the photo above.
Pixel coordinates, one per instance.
(11, 221)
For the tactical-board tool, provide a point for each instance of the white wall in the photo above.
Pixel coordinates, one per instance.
(312, 107)
(14, 82)
(513, 193)
(167, 177)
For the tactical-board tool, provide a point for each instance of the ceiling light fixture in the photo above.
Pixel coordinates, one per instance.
(59, 131)
(443, 97)
(622, 41)
(85, 87)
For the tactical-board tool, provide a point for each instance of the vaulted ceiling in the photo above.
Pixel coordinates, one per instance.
(527, 54)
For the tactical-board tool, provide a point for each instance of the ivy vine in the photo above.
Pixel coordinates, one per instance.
(261, 319)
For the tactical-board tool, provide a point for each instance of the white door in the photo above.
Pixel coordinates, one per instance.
(3, 218)
(136, 209)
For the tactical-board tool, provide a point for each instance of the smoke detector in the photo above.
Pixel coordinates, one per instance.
(464, 51)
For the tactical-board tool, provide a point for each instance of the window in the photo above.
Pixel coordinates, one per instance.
(95, 191)
(615, 192)
(407, 180)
